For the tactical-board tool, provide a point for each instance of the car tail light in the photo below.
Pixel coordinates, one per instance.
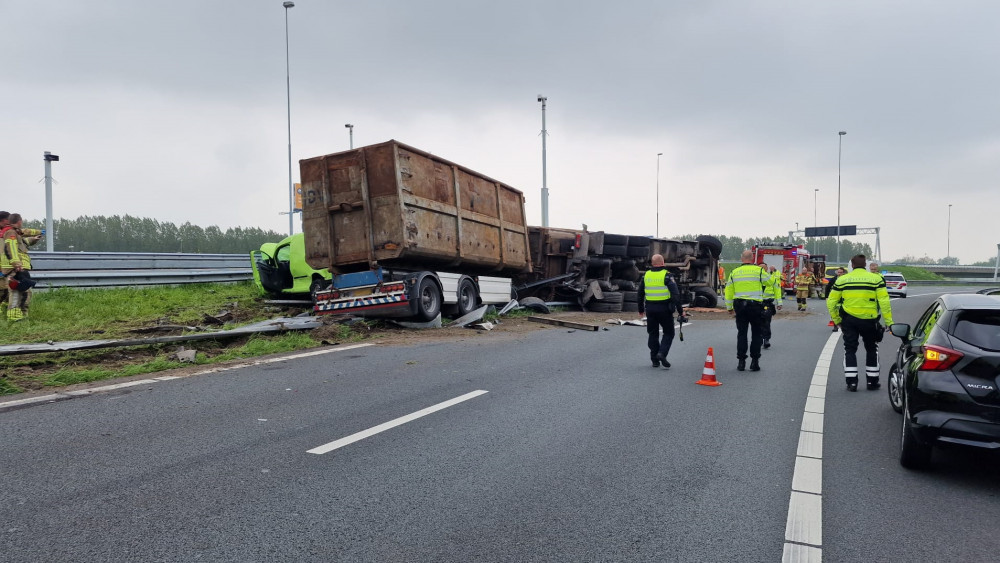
(902, 284)
(939, 358)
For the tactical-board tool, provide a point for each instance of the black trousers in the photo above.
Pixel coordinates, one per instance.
(765, 319)
(853, 329)
(749, 314)
(655, 322)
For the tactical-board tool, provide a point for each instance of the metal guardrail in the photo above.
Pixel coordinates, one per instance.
(127, 269)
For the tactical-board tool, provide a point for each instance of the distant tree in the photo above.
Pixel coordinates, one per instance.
(137, 234)
(948, 261)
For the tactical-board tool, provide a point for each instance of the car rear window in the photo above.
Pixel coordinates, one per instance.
(979, 328)
(894, 278)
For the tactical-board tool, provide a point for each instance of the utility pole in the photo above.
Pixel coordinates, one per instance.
(840, 144)
(288, 95)
(49, 233)
(658, 155)
(350, 131)
(545, 189)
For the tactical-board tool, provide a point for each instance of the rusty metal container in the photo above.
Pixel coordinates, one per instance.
(398, 207)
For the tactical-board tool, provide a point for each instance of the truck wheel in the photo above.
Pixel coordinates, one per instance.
(705, 297)
(428, 299)
(616, 240)
(468, 297)
(713, 244)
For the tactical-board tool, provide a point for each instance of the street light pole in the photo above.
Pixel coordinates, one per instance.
(840, 144)
(350, 131)
(49, 159)
(815, 196)
(288, 94)
(949, 232)
(658, 155)
(545, 189)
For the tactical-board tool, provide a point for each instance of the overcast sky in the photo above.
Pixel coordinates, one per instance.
(176, 109)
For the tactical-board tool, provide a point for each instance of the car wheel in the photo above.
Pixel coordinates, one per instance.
(895, 385)
(428, 299)
(913, 454)
(317, 286)
(467, 297)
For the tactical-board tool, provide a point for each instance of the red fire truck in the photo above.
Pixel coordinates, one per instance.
(786, 258)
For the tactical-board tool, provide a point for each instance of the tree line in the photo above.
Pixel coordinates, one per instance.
(137, 234)
(733, 246)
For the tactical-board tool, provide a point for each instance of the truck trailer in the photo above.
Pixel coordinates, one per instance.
(405, 233)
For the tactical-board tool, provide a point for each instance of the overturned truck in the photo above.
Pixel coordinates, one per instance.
(601, 271)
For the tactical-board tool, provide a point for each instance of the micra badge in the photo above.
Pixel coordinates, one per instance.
(979, 386)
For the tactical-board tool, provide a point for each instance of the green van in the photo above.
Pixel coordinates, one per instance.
(281, 269)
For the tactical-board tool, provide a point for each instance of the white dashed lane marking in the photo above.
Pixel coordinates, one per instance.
(804, 526)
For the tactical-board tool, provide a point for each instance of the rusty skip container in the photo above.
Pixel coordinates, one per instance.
(393, 206)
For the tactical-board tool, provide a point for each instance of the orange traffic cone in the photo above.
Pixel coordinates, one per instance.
(708, 374)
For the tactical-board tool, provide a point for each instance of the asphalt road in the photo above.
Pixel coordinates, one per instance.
(557, 445)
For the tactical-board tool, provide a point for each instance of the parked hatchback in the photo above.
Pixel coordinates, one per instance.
(946, 377)
(895, 283)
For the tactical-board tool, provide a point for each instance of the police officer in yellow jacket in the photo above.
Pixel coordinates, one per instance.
(745, 291)
(658, 298)
(772, 304)
(855, 304)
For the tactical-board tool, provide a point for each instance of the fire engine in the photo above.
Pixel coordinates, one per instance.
(786, 258)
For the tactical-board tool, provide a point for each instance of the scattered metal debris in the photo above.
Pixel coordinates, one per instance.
(535, 304)
(470, 317)
(274, 325)
(570, 324)
(508, 307)
(436, 323)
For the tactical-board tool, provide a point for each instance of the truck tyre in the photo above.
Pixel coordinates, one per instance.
(614, 240)
(630, 307)
(639, 241)
(705, 297)
(428, 298)
(615, 250)
(638, 252)
(605, 307)
(468, 297)
(713, 244)
(630, 296)
(612, 297)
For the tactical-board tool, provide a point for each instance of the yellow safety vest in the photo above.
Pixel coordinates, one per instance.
(749, 282)
(655, 285)
(860, 294)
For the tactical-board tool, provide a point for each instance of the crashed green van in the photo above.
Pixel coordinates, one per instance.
(281, 269)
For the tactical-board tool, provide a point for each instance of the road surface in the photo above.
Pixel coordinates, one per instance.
(555, 445)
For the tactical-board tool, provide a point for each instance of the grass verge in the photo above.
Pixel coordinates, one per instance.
(98, 314)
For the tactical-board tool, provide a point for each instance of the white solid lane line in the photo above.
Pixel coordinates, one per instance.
(804, 527)
(325, 448)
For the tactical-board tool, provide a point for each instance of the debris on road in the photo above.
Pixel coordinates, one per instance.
(570, 324)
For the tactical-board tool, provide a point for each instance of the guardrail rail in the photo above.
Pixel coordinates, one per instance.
(126, 269)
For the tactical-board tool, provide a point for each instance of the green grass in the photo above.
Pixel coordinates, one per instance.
(99, 314)
(912, 273)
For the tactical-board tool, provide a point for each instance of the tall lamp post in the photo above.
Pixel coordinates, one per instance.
(545, 189)
(350, 132)
(840, 144)
(288, 94)
(815, 196)
(49, 159)
(658, 155)
(949, 231)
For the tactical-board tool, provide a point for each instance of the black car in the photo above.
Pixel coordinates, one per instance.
(990, 291)
(946, 378)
